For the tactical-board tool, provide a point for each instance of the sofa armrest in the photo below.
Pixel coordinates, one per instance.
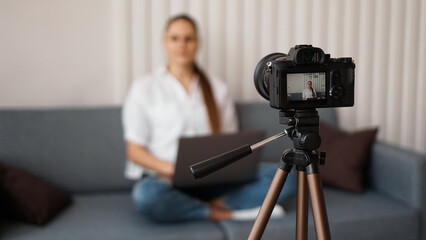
(399, 172)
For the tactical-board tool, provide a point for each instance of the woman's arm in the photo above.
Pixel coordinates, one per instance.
(141, 156)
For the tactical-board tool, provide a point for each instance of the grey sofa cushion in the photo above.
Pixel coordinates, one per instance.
(110, 216)
(78, 150)
(367, 216)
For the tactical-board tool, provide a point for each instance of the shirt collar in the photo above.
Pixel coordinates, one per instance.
(163, 73)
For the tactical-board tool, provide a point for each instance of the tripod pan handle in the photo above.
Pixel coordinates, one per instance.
(213, 164)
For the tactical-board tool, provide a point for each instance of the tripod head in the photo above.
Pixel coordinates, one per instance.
(304, 132)
(305, 128)
(305, 137)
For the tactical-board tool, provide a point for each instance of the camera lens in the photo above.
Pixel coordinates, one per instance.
(261, 74)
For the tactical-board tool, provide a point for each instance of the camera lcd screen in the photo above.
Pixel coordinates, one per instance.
(306, 86)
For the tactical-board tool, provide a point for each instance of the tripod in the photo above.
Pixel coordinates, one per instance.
(305, 135)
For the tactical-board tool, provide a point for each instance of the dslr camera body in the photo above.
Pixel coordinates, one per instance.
(305, 78)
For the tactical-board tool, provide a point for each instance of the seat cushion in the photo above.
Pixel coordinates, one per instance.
(109, 216)
(369, 215)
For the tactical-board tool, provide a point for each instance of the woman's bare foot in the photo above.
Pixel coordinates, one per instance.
(218, 210)
(217, 203)
(219, 214)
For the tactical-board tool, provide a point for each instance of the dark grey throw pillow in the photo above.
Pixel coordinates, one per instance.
(28, 198)
(347, 157)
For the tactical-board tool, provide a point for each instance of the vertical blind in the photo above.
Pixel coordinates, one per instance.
(386, 38)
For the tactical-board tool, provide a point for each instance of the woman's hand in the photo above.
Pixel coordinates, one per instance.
(140, 155)
(167, 170)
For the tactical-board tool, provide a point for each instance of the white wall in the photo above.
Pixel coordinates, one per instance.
(86, 52)
(61, 53)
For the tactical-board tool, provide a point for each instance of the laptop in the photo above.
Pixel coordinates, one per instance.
(196, 149)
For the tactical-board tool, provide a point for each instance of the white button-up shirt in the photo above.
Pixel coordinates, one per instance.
(308, 93)
(158, 111)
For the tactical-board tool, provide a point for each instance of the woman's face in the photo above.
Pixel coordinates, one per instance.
(181, 42)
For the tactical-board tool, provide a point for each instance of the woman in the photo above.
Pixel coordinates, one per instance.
(180, 100)
(309, 93)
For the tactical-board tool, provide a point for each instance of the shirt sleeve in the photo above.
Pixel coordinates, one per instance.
(134, 117)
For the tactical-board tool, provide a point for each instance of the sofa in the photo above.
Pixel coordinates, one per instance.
(81, 151)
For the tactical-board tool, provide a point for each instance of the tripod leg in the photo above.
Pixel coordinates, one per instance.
(319, 210)
(302, 207)
(268, 204)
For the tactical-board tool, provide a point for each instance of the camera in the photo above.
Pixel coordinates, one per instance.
(305, 78)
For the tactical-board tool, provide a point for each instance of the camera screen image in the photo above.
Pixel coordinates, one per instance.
(306, 86)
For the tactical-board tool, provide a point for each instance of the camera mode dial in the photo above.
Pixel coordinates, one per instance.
(336, 92)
